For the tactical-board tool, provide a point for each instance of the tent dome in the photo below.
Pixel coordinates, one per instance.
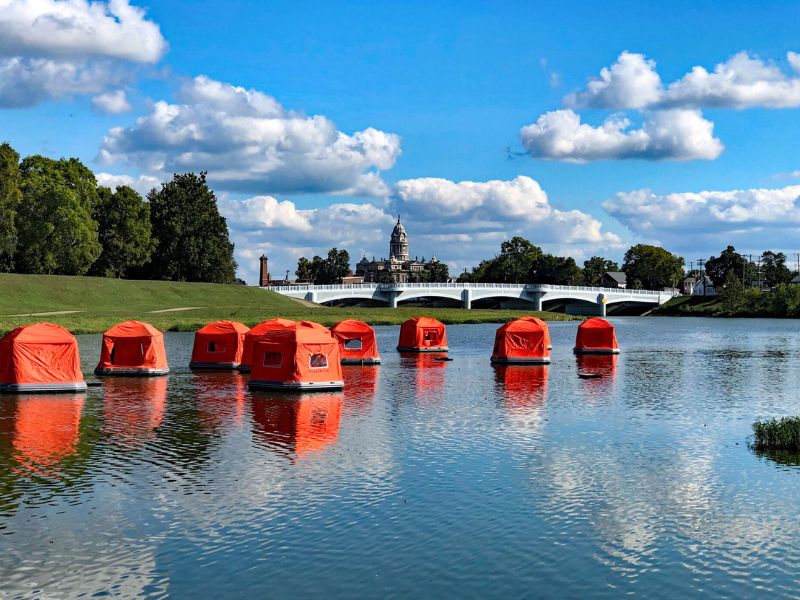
(423, 334)
(132, 348)
(41, 357)
(596, 336)
(524, 341)
(296, 358)
(218, 346)
(357, 343)
(256, 332)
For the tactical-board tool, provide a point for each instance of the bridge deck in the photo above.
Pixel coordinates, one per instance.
(466, 293)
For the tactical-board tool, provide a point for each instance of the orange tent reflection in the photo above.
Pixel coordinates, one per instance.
(524, 386)
(220, 398)
(597, 364)
(133, 407)
(46, 431)
(303, 424)
(429, 372)
(360, 384)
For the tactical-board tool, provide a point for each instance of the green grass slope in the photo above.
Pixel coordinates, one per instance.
(98, 303)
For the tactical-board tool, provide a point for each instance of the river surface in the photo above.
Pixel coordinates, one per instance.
(422, 478)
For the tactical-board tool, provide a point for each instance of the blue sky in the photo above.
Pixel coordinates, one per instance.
(446, 90)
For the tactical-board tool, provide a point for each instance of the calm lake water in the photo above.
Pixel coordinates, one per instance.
(422, 479)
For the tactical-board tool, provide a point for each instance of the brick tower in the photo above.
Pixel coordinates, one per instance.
(263, 278)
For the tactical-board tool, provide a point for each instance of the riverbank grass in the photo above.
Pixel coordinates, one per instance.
(93, 304)
(777, 434)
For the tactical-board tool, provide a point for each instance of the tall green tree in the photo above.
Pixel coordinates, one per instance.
(55, 230)
(728, 262)
(557, 270)
(192, 238)
(595, 267)
(773, 268)
(303, 271)
(124, 231)
(439, 273)
(653, 266)
(10, 199)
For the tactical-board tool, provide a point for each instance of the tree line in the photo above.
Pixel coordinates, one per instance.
(55, 219)
(521, 261)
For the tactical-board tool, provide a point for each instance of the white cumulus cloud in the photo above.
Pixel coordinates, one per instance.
(752, 218)
(111, 103)
(249, 142)
(54, 49)
(142, 184)
(441, 206)
(742, 81)
(79, 29)
(631, 82)
(665, 135)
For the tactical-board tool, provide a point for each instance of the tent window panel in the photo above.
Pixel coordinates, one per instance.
(273, 360)
(215, 347)
(318, 361)
(431, 335)
(354, 344)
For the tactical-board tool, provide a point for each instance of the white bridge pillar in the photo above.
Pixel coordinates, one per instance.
(466, 297)
(392, 298)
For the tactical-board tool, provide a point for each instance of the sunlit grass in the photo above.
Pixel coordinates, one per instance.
(100, 303)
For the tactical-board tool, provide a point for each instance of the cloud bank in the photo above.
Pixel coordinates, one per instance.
(665, 135)
(250, 143)
(52, 49)
(759, 217)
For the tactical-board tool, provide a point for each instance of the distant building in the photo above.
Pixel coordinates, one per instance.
(688, 285)
(614, 279)
(704, 286)
(398, 268)
(263, 277)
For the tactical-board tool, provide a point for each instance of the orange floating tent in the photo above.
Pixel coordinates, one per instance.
(523, 341)
(132, 348)
(422, 334)
(218, 346)
(40, 358)
(299, 358)
(303, 425)
(357, 344)
(596, 336)
(255, 333)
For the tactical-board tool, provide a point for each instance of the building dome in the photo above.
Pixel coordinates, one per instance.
(398, 245)
(399, 232)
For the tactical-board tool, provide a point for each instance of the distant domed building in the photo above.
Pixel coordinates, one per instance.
(398, 268)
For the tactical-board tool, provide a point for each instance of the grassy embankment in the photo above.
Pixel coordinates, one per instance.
(98, 303)
(692, 306)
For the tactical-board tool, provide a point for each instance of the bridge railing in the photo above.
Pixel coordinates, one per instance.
(529, 287)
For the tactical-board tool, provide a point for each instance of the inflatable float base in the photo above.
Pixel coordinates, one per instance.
(596, 350)
(42, 388)
(207, 366)
(425, 349)
(296, 385)
(361, 361)
(130, 372)
(521, 361)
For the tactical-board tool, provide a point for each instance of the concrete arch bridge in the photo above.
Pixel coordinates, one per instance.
(583, 300)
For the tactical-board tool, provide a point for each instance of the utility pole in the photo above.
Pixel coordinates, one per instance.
(700, 263)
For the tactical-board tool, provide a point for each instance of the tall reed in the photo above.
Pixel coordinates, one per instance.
(777, 434)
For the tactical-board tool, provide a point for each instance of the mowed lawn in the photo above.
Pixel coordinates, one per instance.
(93, 304)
